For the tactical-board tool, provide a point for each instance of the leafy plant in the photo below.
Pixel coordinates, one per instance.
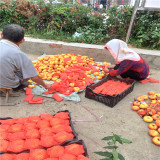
(146, 30)
(118, 21)
(114, 155)
(90, 35)
(61, 21)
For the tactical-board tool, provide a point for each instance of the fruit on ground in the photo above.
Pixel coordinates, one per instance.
(156, 140)
(142, 112)
(111, 87)
(153, 102)
(158, 122)
(152, 97)
(145, 97)
(71, 84)
(99, 77)
(153, 133)
(159, 130)
(152, 112)
(136, 103)
(151, 92)
(156, 117)
(140, 98)
(96, 73)
(147, 118)
(143, 105)
(29, 81)
(152, 126)
(158, 95)
(135, 108)
(31, 86)
(76, 88)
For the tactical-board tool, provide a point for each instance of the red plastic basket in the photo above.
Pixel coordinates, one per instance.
(108, 100)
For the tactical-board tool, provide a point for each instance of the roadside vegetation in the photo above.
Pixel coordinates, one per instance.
(78, 23)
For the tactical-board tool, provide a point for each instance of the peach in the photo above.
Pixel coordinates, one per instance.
(153, 133)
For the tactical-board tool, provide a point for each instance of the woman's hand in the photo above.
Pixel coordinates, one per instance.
(106, 70)
(111, 66)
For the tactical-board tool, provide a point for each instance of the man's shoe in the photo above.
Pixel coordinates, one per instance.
(21, 86)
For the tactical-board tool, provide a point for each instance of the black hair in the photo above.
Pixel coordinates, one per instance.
(13, 32)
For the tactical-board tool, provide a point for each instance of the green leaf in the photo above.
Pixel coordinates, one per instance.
(105, 154)
(118, 138)
(111, 147)
(110, 143)
(107, 138)
(1, 3)
(126, 140)
(107, 158)
(120, 156)
(114, 139)
(115, 154)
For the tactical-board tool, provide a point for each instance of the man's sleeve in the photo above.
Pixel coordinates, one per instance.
(26, 67)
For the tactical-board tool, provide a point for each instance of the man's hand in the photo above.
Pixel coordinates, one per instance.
(39, 81)
(47, 86)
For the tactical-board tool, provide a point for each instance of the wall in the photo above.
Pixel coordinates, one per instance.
(51, 47)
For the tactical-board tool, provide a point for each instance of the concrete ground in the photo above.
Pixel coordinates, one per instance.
(120, 120)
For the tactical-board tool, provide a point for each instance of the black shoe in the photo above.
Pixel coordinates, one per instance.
(21, 86)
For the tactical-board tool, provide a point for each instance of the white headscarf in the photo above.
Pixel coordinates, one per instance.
(120, 51)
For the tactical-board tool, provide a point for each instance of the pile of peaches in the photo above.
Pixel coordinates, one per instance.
(52, 68)
(148, 107)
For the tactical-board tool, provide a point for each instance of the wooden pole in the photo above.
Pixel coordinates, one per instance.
(136, 5)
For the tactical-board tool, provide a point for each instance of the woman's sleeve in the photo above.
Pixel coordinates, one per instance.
(124, 66)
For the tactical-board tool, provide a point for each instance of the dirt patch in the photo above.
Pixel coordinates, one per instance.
(119, 119)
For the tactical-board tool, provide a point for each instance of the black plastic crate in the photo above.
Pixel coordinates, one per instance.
(108, 100)
(80, 142)
(75, 138)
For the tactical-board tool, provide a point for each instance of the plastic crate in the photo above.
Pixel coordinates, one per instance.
(108, 100)
(80, 142)
(75, 138)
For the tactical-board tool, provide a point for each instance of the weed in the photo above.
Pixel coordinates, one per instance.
(114, 155)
